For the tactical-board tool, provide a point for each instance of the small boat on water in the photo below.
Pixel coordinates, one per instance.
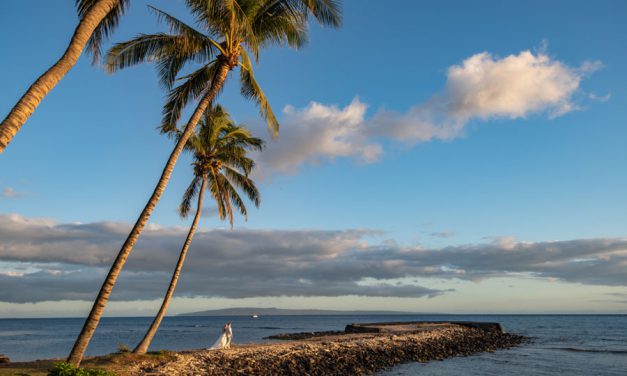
(254, 316)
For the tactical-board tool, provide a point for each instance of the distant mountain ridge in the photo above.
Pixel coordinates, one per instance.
(249, 311)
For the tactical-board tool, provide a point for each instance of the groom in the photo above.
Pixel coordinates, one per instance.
(229, 335)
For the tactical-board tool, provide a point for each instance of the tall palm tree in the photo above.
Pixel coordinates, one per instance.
(222, 167)
(98, 19)
(231, 29)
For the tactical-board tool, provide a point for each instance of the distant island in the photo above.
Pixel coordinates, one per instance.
(249, 311)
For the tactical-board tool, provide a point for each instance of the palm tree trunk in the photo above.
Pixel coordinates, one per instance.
(142, 347)
(47, 81)
(76, 355)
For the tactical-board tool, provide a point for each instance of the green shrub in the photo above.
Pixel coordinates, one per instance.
(123, 349)
(66, 369)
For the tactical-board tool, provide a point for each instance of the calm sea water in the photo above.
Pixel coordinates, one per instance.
(561, 345)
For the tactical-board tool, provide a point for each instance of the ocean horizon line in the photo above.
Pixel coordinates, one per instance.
(328, 315)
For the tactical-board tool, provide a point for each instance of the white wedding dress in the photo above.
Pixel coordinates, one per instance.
(221, 343)
(224, 341)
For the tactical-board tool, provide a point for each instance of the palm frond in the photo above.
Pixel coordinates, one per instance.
(237, 162)
(194, 86)
(236, 201)
(105, 28)
(170, 53)
(244, 183)
(212, 15)
(181, 28)
(327, 12)
(188, 196)
(251, 89)
(279, 22)
(142, 48)
(225, 190)
(197, 47)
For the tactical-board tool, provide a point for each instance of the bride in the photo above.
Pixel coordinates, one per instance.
(224, 341)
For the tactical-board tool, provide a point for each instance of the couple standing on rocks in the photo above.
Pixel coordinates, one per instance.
(224, 342)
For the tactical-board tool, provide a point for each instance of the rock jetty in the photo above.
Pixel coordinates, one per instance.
(360, 350)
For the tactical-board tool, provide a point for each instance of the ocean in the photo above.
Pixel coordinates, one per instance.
(564, 345)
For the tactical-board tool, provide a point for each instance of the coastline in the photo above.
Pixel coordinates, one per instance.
(359, 350)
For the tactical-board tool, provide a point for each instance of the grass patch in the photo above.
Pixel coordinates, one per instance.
(66, 369)
(123, 349)
(116, 364)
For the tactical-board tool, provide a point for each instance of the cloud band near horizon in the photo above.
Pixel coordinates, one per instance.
(41, 260)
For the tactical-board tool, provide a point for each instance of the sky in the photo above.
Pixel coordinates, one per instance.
(433, 156)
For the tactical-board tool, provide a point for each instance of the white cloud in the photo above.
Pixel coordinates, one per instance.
(512, 87)
(481, 87)
(484, 87)
(319, 133)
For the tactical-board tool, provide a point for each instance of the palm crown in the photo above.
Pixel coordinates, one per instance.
(230, 30)
(220, 156)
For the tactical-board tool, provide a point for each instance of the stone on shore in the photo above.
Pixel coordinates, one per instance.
(341, 354)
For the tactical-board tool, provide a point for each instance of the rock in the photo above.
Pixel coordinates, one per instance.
(303, 335)
(345, 354)
(4, 359)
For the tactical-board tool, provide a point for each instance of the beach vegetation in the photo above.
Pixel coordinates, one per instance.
(66, 369)
(123, 348)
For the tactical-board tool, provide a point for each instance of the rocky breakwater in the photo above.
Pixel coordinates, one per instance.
(361, 349)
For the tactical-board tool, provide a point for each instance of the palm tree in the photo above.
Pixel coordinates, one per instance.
(232, 28)
(221, 166)
(98, 19)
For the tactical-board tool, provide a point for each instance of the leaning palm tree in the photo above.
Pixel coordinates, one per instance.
(230, 29)
(222, 167)
(98, 19)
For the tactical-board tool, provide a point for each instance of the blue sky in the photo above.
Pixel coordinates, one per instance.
(536, 172)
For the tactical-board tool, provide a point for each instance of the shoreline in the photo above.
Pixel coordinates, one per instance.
(361, 349)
